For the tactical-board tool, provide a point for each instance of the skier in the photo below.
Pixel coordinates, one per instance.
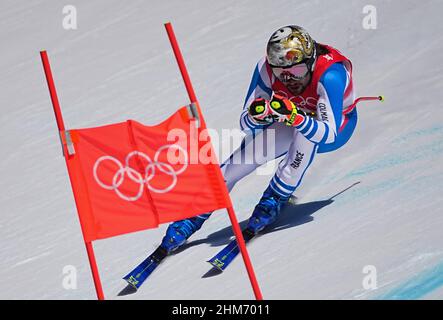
(302, 90)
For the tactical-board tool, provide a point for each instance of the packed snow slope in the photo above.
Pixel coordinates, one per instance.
(118, 65)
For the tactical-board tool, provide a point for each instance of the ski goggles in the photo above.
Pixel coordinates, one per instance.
(295, 72)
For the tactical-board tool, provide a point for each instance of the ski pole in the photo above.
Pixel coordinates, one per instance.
(360, 99)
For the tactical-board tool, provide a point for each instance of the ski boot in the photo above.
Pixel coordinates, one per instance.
(266, 211)
(179, 231)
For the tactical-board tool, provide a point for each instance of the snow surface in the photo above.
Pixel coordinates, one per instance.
(119, 65)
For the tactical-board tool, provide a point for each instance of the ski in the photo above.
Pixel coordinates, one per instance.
(140, 273)
(224, 258)
(220, 261)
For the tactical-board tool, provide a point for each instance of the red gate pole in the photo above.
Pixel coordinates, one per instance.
(244, 253)
(234, 222)
(61, 128)
(180, 62)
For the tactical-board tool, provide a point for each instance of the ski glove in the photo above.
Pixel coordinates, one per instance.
(279, 109)
(260, 112)
(284, 110)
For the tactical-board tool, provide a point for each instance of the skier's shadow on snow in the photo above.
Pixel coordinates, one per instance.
(292, 215)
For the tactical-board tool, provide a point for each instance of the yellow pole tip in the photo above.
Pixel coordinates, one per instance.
(382, 98)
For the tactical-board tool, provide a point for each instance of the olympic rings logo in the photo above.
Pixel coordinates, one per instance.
(309, 102)
(135, 176)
